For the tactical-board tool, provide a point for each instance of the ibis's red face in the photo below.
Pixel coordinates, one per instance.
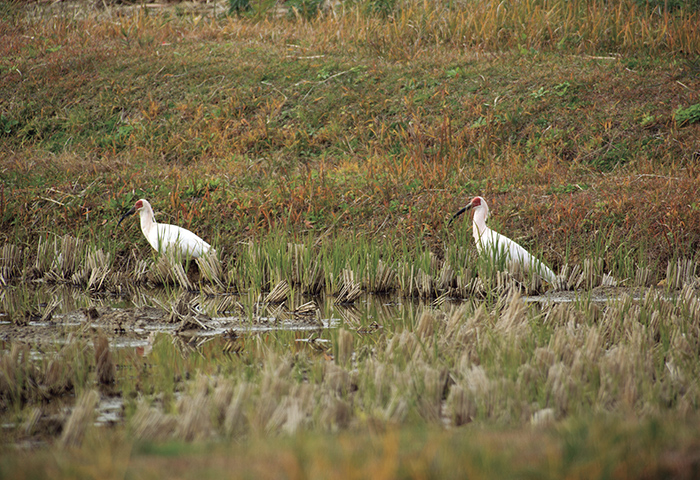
(475, 202)
(138, 206)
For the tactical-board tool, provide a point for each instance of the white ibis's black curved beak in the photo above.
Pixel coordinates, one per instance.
(459, 212)
(130, 212)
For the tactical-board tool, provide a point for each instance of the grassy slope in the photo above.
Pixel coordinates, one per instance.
(236, 129)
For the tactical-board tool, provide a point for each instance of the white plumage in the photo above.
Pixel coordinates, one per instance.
(500, 247)
(164, 237)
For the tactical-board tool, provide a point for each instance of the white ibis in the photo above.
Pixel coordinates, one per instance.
(500, 246)
(164, 237)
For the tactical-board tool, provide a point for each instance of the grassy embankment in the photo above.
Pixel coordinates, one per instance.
(357, 126)
(358, 135)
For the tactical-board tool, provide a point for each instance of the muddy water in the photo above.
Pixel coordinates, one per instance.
(51, 315)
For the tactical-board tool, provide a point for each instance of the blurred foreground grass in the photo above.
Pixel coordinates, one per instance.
(594, 448)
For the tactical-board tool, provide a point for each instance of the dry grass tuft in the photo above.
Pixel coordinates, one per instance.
(278, 294)
(236, 422)
(80, 419)
(210, 268)
(350, 291)
(150, 424)
(427, 325)
(194, 415)
(105, 369)
(10, 262)
(461, 405)
(345, 346)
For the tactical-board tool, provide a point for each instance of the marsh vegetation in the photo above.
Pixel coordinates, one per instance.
(341, 322)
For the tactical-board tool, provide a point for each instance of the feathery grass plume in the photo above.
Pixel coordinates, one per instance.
(236, 421)
(456, 319)
(80, 419)
(460, 406)
(62, 372)
(29, 426)
(402, 347)
(287, 417)
(150, 424)
(543, 417)
(475, 379)
(429, 391)
(194, 413)
(274, 385)
(105, 370)
(513, 322)
(335, 413)
(15, 370)
(338, 379)
(10, 262)
(345, 346)
(397, 409)
(427, 324)
(293, 411)
(470, 336)
(560, 388)
(221, 399)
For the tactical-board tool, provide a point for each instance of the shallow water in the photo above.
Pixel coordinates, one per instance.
(48, 314)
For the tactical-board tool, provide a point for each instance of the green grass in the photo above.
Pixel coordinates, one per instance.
(307, 131)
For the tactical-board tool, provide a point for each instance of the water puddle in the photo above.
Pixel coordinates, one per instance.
(54, 315)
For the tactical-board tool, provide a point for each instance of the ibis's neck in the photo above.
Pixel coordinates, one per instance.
(479, 224)
(147, 220)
